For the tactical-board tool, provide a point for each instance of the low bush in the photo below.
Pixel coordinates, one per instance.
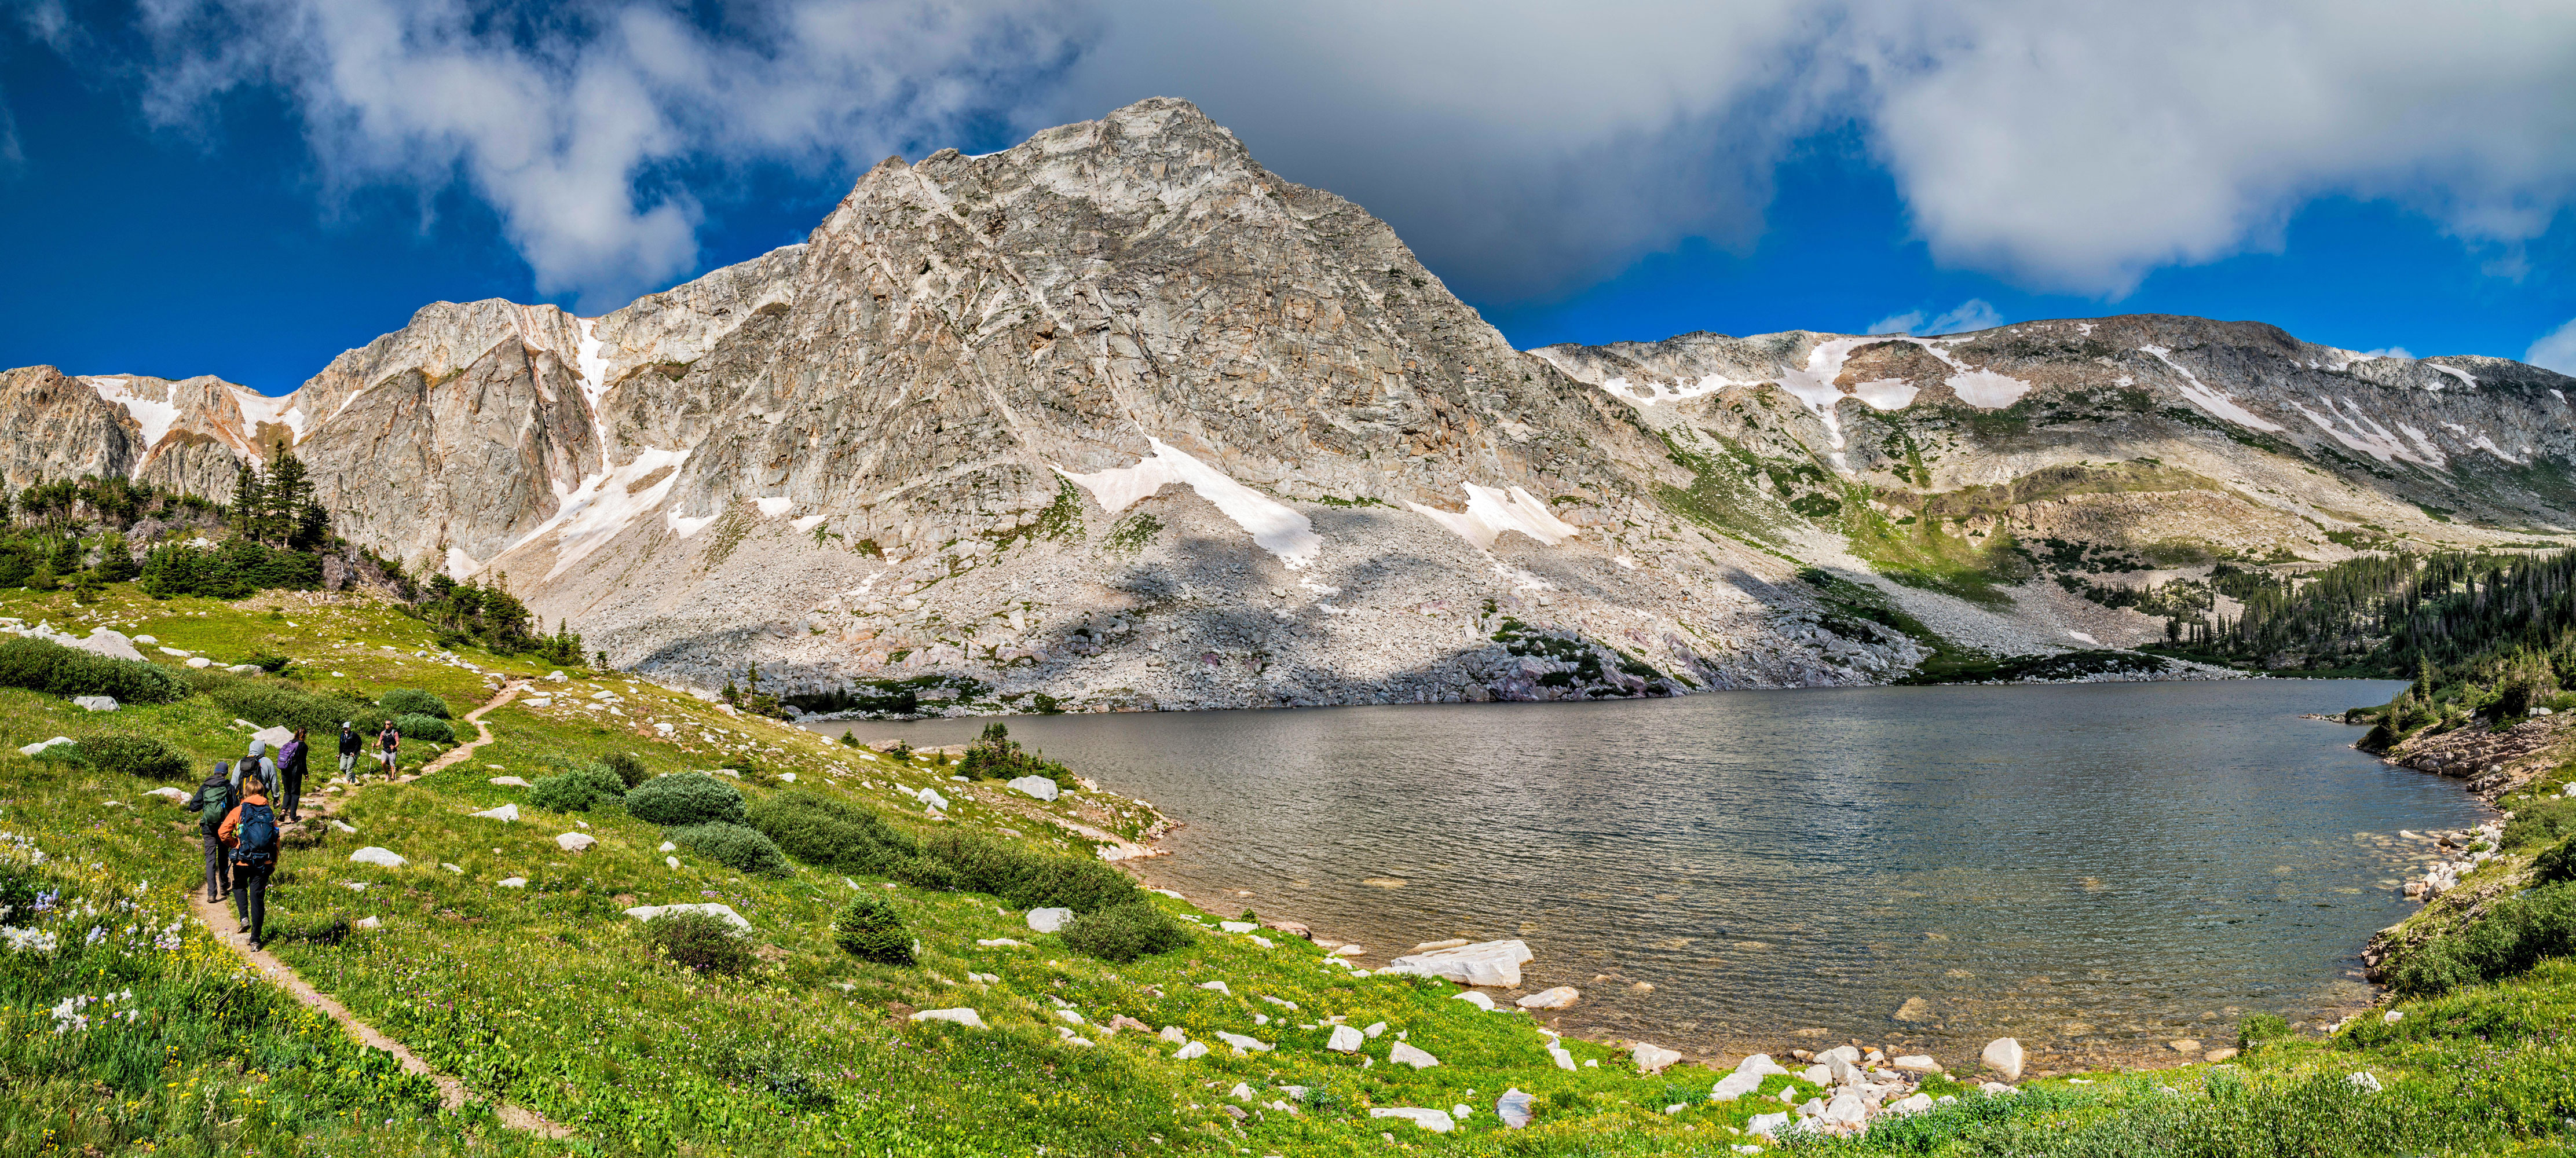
(829, 833)
(734, 846)
(684, 799)
(579, 790)
(1029, 880)
(629, 768)
(415, 702)
(2258, 1028)
(429, 728)
(924, 872)
(322, 930)
(1124, 932)
(699, 940)
(136, 755)
(870, 930)
(272, 702)
(2540, 822)
(42, 665)
(2514, 933)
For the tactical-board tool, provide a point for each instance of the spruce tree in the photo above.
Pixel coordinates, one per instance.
(250, 500)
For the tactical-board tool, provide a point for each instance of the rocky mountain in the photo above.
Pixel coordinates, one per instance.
(1117, 418)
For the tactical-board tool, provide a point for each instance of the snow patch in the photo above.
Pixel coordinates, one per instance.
(1491, 512)
(258, 410)
(2085, 638)
(2370, 437)
(806, 524)
(774, 505)
(1985, 389)
(1886, 393)
(1650, 393)
(460, 566)
(606, 504)
(1274, 527)
(155, 418)
(2210, 400)
(2483, 443)
(2453, 371)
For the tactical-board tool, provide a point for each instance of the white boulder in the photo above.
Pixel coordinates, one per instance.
(1494, 963)
(1048, 920)
(1241, 1042)
(1846, 1110)
(1768, 1125)
(1514, 1108)
(370, 923)
(378, 856)
(112, 644)
(1733, 1086)
(1406, 1053)
(200, 661)
(1436, 1121)
(575, 841)
(556, 677)
(505, 813)
(1560, 997)
(1477, 998)
(1190, 1050)
(94, 703)
(965, 1017)
(513, 882)
(275, 738)
(1652, 1059)
(1037, 786)
(145, 639)
(1915, 1063)
(648, 912)
(509, 782)
(1910, 1104)
(242, 668)
(41, 745)
(2003, 1055)
(1344, 1040)
(930, 798)
(1563, 1057)
(172, 795)
(2362, 1080)
(1238, 926)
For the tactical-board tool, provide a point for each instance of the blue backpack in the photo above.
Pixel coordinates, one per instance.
(257, 834)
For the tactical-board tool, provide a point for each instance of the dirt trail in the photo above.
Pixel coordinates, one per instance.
(219, 917)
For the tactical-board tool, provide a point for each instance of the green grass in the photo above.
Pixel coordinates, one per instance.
(549, 996)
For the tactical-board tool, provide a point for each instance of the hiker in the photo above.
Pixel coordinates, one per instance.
(350, 746)
(213, 801)
(290, 775)
(249, 835)
(389, 747)
(258, 761)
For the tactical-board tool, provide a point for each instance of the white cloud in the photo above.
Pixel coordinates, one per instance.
(572, 128)
(2556, 350)
(2389, 352)
(1972, 314)
(1523, 146)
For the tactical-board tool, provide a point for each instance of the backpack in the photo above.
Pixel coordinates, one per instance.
(213, 801)
(256, 836)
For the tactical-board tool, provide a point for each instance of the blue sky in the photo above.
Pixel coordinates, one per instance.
(247, 187)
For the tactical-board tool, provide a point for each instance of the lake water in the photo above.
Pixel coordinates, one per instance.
(2096, 869)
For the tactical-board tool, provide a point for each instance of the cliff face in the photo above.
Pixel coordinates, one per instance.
(1119, 417)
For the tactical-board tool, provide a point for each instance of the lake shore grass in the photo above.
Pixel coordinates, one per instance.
(547, 995)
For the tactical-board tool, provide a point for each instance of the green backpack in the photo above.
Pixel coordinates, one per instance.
(213, 804)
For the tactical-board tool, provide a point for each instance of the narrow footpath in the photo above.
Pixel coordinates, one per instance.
(218, 917)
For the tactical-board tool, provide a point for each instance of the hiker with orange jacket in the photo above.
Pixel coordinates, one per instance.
(249, 832)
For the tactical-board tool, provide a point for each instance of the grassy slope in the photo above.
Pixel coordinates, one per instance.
(547, 995)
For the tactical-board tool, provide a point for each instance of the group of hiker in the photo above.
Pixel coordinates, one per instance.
(240, 824)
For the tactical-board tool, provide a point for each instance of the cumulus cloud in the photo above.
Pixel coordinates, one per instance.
(572, 128)
(1972, 314)
(2556, 350)
(1523, 146)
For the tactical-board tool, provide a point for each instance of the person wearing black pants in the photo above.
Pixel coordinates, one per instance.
(290, 774)
(251, 866)
(213, 803)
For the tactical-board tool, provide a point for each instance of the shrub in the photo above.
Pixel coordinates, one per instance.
(629, 769)
(699, 940)
(688, 798)
(270, 702)
(829, 833)
(735, 846)
(2541, 822)
(45, 666)
(579, 790)
(430, 728)
(1124, 932)
(322, 930)
(2258, 1028)
(2555, 863)
(927, 873)
(2514, 933)
(1029, 880)
(415, 702)
(870, 930)
(134, 755)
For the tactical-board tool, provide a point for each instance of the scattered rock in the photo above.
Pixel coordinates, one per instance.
(508, 782)
(648, 912)
(1406, 1053)
(2362, 1080)
(1238, 926)
(1190, 1050)
(95, 703)
(1344, 1040)
(1915, 1063)
(2218, 1055)
(2184, 1045)
(514, 882)
(1651, 1058)
(1767, 1125)
(1476, 998)
(1910, 1104)
(1216, 987)
(1845, 1110)
(965, 1017)
(1036, 786)
(1733, 1086)
(41, 745)
(1436, 1121)
(200, 661)
(1241, 1042)
(1514, 1108)
(505, 813)
(999, 943)
(575, 841)
(2004, 1056)
(370, 923)
(340, 826)
(1493, 963)
(172, 795)
(378, 856)
(1996, 1089)
(1560, 997)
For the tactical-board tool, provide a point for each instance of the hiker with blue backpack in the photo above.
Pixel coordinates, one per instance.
(212, 803)
(249, 836)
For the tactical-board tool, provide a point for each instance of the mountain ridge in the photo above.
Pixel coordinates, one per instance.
(1120, 417)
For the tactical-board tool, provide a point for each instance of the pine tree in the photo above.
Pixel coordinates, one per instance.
(290, 491)
(250, 500)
